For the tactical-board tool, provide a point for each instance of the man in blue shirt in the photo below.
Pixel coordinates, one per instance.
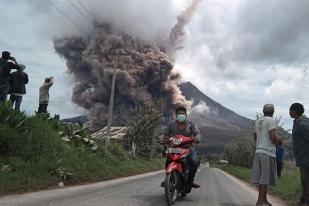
(279, 157)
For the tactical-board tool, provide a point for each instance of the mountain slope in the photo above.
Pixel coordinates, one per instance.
(193, 93)
(218, 124)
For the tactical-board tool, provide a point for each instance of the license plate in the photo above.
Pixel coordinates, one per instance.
(173, 150)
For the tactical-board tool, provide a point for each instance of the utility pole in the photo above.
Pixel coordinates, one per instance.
(110, 108)
(111, 101)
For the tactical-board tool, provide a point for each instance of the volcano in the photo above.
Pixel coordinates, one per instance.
(218, 125)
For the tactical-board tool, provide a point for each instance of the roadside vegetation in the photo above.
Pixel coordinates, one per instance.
(39, 151)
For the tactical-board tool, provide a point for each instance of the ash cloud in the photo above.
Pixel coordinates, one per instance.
(177, 35)
(144, 71)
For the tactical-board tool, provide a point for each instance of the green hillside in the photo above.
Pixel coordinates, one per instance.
(39, 151)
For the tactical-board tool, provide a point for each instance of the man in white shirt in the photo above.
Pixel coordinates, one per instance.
(264, 170)
(44, 94)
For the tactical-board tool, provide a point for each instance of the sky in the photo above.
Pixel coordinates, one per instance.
(241, 53)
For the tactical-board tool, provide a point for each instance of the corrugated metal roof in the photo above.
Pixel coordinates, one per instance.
(116, 133)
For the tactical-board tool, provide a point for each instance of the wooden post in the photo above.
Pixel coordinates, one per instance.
(110, 109)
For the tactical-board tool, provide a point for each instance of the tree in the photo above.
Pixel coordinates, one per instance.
(241, 151)
(143, 122)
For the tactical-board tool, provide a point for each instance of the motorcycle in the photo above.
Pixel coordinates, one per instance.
(177, 170)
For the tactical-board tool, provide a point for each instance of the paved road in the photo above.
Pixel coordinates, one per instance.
(218, 189)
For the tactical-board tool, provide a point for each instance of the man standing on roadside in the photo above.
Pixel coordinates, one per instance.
(264, 169)
(300, 135)
(44, 94)
(5, 70)
(18, 80)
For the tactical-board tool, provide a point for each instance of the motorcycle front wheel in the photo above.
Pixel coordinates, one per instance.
(171, 192)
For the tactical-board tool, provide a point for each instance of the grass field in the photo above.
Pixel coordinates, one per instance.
(288, 188)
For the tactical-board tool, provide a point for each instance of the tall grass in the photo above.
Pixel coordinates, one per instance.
(37, 157)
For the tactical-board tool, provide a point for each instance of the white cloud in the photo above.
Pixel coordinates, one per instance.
(201, 108)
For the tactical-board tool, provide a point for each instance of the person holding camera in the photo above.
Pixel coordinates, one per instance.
(44, 94)
(5, 71)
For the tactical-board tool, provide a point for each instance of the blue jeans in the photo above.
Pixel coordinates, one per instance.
(194, 163)
(4, 89)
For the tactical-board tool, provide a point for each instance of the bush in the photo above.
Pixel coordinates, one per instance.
(10, 141)
(35, 142)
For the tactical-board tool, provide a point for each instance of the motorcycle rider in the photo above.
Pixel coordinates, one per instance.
(182, 126)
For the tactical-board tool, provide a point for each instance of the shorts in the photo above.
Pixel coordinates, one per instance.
(264, 170)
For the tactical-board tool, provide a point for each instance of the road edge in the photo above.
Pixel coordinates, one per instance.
(272, 199)
(19, 199)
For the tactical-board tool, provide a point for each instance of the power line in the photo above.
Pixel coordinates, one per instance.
(89, 12)
(79, 10)
(59, 10)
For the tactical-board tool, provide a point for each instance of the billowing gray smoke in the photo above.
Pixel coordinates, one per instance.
(177, 34)
(144, 72)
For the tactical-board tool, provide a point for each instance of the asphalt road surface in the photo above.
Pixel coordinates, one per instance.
(218, 189)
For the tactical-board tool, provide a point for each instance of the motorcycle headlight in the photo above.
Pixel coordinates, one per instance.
(176, 141)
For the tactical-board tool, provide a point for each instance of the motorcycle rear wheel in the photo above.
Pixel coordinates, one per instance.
(171, 192)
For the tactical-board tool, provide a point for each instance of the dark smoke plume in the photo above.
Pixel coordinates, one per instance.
(144, 72)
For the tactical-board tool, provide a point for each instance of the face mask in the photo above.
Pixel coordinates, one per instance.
(181, 117)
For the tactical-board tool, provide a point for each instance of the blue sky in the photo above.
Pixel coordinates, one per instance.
(242, 53)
